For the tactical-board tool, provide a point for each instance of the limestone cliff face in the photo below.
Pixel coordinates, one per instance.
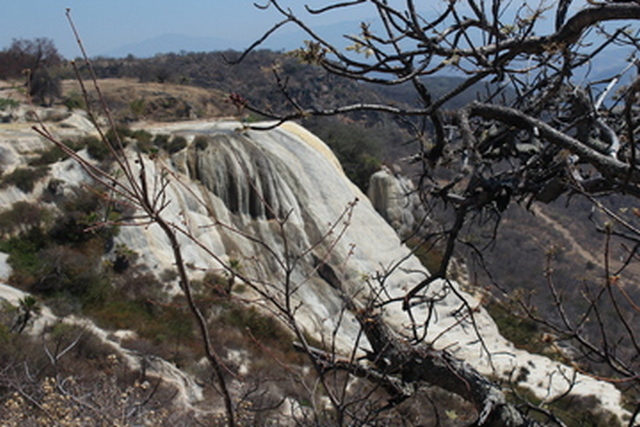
(278, 199)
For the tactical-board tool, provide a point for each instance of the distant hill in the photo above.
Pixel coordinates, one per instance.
(168, 43)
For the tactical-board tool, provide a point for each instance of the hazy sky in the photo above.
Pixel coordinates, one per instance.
(109, 24)
(106, 25)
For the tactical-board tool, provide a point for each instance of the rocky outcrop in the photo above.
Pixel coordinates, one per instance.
(395, 197)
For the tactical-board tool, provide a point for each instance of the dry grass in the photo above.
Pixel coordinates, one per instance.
(131, 100)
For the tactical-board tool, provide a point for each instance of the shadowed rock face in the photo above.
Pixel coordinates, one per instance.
(247, 179)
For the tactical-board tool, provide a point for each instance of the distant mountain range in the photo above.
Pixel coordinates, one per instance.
(606, 64)
(287, 39)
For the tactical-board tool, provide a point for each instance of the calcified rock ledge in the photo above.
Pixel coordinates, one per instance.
(296, 175)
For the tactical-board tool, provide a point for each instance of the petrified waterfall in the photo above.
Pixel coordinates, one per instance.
(247, 179)
(264, 197)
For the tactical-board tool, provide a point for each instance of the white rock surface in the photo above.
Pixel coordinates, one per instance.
(396, 199)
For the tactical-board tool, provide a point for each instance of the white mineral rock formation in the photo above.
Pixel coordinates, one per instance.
(241, 183)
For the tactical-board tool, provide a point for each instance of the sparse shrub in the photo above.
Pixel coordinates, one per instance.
(121, 313)
(64, 404)
(74, 101)
(522, 332)
(159, 324)
(18, 347)
(138, 107)
(169, 325)
(24, 178)
(4, 334)
(214, 284)
(564, 409)
(88, 346)
(168, 275)
(8, 103)
(71, 271)
(21, 217)
(252, 118)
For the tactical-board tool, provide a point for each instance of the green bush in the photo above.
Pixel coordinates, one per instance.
(24, 257)
(74, 101)
(96, 148)
(169, 144)
(161, 140)
(146, 147)
(144, 141)
(142, 135)
(81, 213)
(177, 143)
(116, 137)
(65, 258)
(264, 328)
(47, 157)
(430, 255)
(523, 333)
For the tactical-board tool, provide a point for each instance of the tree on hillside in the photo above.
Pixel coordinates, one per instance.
(37, 58)
(23, 54)
(549, 121)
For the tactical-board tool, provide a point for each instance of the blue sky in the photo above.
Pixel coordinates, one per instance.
(109, 24)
